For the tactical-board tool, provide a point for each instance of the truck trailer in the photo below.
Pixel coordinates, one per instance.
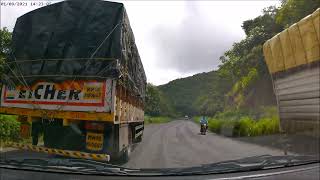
(75, 79)
(293, 60)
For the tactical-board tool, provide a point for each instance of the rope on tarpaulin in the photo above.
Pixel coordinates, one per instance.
(22, 82)
(108, 67)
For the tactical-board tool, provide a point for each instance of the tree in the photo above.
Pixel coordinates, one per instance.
(152, 106)
(291, 11)
(5, 46)
(156, 103)
(265, 21)
(244, 62)
(5, 42)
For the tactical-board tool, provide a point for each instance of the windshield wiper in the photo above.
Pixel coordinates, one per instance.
(245, 164)
(85, 166)
(66, 164)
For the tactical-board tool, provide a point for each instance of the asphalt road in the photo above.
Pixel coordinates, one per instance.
(179, 144)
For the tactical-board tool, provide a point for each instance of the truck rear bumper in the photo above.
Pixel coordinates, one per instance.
(61, 152)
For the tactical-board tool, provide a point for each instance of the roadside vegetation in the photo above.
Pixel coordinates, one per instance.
(157, 108)
(244, 123)
(9, 129)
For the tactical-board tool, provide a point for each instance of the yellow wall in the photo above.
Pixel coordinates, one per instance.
(295, 46)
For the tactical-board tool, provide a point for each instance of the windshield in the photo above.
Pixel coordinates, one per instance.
(218, 86)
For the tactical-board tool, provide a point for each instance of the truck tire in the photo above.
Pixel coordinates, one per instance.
(127, 153)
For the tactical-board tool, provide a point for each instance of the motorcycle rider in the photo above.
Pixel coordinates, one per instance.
(204, 121)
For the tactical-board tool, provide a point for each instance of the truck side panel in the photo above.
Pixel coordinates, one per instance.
(299, 99)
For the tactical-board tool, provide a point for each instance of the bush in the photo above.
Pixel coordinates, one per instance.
(231, 114)
(266, 126)
(9, 128)
(245, 123)
(215, 125)
(245, 126)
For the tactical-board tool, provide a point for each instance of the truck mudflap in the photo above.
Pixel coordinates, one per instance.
(60, 152)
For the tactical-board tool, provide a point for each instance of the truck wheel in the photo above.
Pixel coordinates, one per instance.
(127, 153)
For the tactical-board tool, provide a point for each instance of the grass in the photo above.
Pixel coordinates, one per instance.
(156, 120)
(245, 124)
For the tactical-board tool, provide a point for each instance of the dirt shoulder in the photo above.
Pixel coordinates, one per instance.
(299, 144)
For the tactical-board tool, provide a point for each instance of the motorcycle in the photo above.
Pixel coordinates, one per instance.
(203, 129)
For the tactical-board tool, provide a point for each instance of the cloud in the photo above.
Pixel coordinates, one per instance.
(192, 47)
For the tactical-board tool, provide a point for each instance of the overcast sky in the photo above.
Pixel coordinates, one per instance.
(176, 38)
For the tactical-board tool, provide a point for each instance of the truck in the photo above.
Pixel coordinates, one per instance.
(75, 81)
(293, 60)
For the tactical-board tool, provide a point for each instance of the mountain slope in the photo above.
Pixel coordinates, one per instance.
(185, 91)
(209, 93)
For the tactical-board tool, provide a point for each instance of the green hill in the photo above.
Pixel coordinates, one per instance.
(209, 93)
(185, 92)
